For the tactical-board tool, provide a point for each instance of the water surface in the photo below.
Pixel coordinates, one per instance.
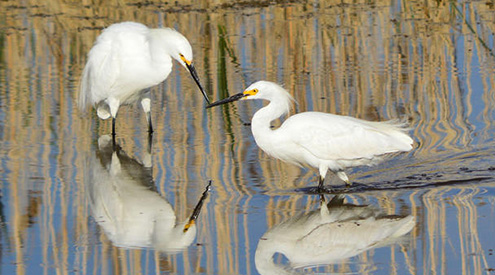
(430, 62)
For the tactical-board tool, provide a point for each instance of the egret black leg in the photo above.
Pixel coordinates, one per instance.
(321, 187)
(150, 125)
(322, 199)
(146, 104)
(113, 127)
(150, 141)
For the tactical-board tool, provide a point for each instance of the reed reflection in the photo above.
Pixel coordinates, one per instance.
(125, 203)
(334, 232)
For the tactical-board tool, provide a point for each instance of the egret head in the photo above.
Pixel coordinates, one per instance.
(260, 90)
(183, 234)
(172, 239)
(175, 44)
(266, 90)
(178, 47)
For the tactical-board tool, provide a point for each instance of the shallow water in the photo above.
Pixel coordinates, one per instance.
(63, 210)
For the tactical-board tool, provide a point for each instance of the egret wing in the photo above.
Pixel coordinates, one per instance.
(101, 72)
(106, 61)
(333, 137)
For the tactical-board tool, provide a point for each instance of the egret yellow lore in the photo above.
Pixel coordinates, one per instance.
(321, 140)
(127, 59)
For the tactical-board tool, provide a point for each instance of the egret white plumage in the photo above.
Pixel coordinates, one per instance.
(321, 140)
(125, 203)
(126, 60)
(331, 234)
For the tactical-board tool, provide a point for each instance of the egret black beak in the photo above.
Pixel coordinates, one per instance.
(194, 75)
(227, 100)
(197, 209)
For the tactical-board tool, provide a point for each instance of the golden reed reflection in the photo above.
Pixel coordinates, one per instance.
(374, 60)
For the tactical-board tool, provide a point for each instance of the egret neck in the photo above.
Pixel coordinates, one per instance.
(261, 122)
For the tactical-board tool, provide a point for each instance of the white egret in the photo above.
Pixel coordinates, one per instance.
(321, 140)
(126, 60)
(124, 202)
(333, 233)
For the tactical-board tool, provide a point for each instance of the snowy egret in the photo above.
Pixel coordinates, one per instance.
(124, 202)
(333, 233)
(126, 60)
(321, 140)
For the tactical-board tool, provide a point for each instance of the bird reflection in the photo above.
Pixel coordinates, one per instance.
(334, 232)
(125, 203)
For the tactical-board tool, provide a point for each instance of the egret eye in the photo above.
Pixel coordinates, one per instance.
(251, 92)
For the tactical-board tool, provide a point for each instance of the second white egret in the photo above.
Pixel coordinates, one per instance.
(126, 60)
(321, 140)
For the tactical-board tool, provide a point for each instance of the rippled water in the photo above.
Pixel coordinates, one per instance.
(71, 203)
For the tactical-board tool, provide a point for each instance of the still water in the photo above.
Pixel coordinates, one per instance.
(70, 204)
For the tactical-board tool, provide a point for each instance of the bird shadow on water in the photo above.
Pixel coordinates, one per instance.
(125, 203)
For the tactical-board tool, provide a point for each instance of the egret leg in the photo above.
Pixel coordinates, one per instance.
(150, 126)
(324, 211)
(113, 127)
(320, 184)
(146, 104)
(150, 142)
(113, 104)
(323, 171)
(114, 143)
(103, 110)
(342, 175)
(322, 199)
(147, 156)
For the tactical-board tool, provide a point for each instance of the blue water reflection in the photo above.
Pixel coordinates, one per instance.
(372, 60)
